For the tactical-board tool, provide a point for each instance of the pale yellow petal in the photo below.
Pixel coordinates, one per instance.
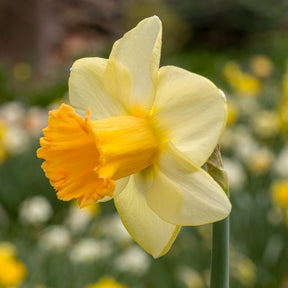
(139, 51)
(183, 194)
(117, 82)
(153, 234)
(190, 111)
(86, 90)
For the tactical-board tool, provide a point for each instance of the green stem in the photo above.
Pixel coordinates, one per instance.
(220, 241)
(220, 255)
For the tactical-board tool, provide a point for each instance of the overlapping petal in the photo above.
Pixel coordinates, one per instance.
(148, 230)
(86, 90)
(191, 112)
(118, 83)
(120, 184)
(139, 51)
(184, 194)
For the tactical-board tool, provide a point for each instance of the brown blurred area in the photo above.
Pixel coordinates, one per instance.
(49, 33)
(45, 32)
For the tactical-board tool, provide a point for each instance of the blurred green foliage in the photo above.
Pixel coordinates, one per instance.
(225, 22)
(33, 91)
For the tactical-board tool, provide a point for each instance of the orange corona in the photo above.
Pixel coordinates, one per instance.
(84, 158)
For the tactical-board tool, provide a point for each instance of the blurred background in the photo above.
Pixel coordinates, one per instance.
(241, 45)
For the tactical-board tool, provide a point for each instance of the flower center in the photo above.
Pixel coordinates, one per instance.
(84, 157)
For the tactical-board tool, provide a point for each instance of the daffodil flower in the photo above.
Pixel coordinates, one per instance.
(138, 134)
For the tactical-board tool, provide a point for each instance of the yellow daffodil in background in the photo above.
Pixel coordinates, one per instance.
(232, 113)
(106, 282)
(138, 134)
(3, 152)
(280, 193)
(243, 83)
(12, 271)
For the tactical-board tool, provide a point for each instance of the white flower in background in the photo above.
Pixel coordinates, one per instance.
(12, 113)
(232, 139)
(281, 163)
(247, 149)
(35, 210)
(236, 174)
(35, 120)
(56, 237)
(89, 250)
(17, 127)
(247, 106)
(245, 145)
(78, 219)
(133, 260)
(113, 228)
(16, 140)
(266, 124)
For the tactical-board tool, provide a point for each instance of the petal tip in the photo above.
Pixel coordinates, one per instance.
(154, 20)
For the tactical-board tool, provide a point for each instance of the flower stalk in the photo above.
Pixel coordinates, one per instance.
(220, 240)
